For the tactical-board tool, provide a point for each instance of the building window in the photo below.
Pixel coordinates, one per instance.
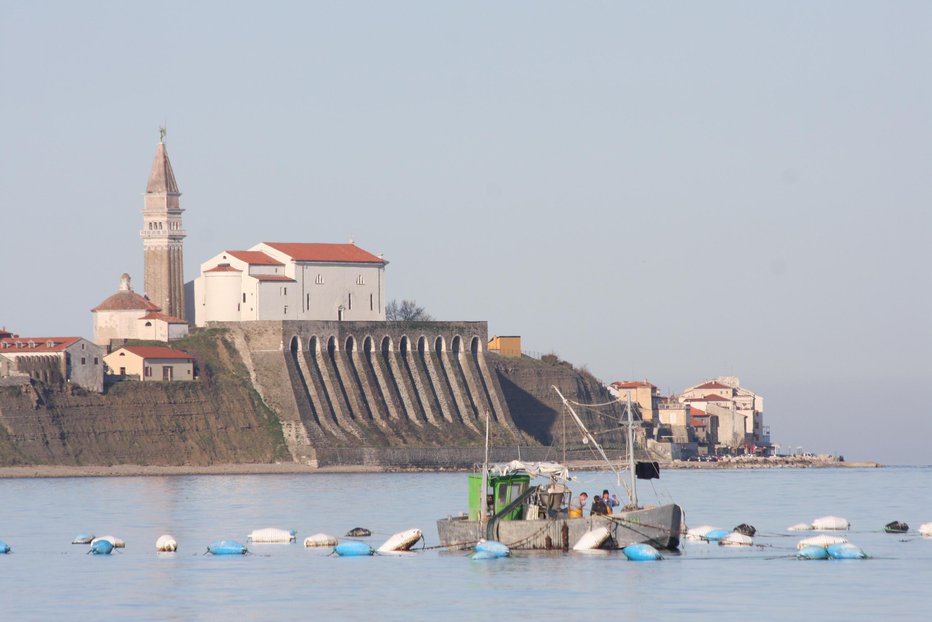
(148, 323)
(84, 360)
(349, 302)
(244, 296)
(148, 372)
(284, 291)
(371, 303)
(360, 280)
(96, 361)
(320, 279)
(308, 304)
(285, 312)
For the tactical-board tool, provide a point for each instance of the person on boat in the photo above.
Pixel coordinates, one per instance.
(598, 508)
(610, 502)
(577, 505)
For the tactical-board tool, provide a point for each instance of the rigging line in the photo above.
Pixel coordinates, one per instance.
(615, 401)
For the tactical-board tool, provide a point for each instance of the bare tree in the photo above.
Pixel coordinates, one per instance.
(406, 311)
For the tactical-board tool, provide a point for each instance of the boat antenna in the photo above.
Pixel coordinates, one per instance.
(591, 438)
(483, 504)
(632, 491)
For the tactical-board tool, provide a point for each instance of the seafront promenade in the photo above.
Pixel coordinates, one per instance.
(136, 470)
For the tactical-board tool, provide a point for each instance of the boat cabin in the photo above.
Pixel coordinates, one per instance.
(505, 489)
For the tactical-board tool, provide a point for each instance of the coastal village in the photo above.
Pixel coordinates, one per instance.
(315, 285)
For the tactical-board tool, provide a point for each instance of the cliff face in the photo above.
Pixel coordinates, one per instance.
(219, 419)
(527, 386)
(257, 400)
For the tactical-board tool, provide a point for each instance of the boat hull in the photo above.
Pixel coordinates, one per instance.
(659, 526)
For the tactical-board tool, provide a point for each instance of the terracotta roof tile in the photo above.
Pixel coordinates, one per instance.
(154, 315)
(224, 267)
(14, 345)
(273, 277)
(713, 385)
(342, 253)
(156, 352)
(708, 398)
(126, 301)
(255, 258)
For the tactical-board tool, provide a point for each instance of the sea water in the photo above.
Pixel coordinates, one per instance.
(47, 578)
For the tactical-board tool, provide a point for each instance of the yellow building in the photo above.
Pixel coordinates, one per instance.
(151, 363)
(509, 346)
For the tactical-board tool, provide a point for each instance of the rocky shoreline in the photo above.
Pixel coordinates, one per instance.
(288, 468)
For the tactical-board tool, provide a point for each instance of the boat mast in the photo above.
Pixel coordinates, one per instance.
(632, 491)
(484, 487)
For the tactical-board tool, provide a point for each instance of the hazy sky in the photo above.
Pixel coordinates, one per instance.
(660, 190)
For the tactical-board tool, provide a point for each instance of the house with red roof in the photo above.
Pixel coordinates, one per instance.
(128, 315)
(290, 281)
(65, 360)
(151, 363)
(740, 411)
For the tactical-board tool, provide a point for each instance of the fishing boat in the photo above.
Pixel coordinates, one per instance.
(505, 506)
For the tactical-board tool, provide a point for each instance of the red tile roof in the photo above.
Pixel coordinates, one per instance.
(126, 301)
(708, 398)
(153, 315)
(342, 253)
(714, 385)
(224, 267)
(255, 258)
(15, 345)
(156, 352)
(634, 384)
(698, 423)
(273, 277)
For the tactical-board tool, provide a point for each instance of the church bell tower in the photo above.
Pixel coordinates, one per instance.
(163, 236)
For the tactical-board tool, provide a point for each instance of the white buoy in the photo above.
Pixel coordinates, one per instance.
(820, 541)
(925, 529)
(592, 539)
(166, 544)
(736, 539)
(116, 542)
(830, 523)
(320, 539)
(401, 541)
(800, 527)
(271, 535)
(699, 533)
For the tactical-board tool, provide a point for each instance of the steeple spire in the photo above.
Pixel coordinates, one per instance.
(163, 236)
(161, 178)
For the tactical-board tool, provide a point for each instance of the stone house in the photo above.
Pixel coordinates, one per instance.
(128, 315)
(63, 360)
(151, 363)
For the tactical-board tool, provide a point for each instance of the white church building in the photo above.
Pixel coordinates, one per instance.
(289, 281)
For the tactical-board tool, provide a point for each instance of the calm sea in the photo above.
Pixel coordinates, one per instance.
(46, 578)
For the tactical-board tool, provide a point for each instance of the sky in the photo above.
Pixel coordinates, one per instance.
(668, 191)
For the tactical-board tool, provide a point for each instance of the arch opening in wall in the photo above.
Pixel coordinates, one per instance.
(386, 345)
(475, 345)
(313, 345)
(295, 345)
(331, 345)
(350, 344)
(440, 345)
(368, 344)
(422, 344)
(405, 345)
(457, 344)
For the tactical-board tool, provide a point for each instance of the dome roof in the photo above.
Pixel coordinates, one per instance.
(126, 300)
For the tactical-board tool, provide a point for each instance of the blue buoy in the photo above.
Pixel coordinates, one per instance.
(846, 551)
(102, 547)
(4, 548)
(487, 555)
(353, 548)
(226, 547)
(812, 552)
(494, 547)
(716, 534)
(641, 553)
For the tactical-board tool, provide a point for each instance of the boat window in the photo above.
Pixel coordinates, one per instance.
(502, 496)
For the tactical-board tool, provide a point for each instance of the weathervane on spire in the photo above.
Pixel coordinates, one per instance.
(162, 132)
